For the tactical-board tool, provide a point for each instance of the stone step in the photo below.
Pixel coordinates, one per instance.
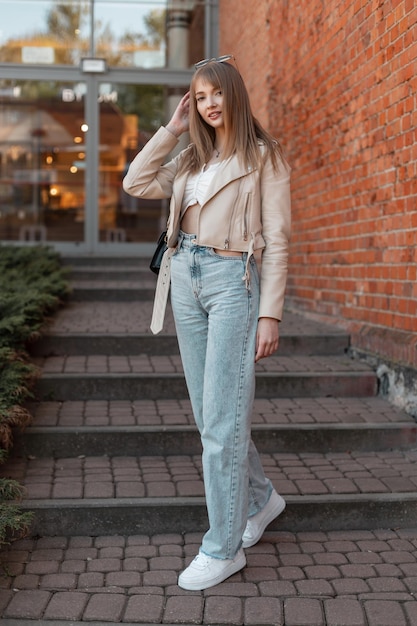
(130, 272)
(119, 262)
(157, 427)
(55, 441)
(124, 318)
(154, 386)
(155, 516)
(152, 494)
(166, 344)
(116, 290)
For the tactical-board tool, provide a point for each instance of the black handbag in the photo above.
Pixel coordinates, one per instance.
(161, 247)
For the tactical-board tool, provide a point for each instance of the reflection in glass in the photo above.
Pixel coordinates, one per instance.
(43, 160)
(131, 33)
(41, 163)
(122, 217)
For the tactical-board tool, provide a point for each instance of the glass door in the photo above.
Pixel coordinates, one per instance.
(42, 161)
(129, 115)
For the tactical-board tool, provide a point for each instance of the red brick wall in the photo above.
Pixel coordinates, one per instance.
(337, 82)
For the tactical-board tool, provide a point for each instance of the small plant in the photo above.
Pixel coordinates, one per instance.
(32, 286)
(14, 524)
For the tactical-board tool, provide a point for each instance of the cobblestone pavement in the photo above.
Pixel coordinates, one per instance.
(178, 476)
(178, 412)
(133, 317)
(355, 578)
(143, 363)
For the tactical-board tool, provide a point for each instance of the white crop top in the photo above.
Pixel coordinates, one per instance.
(197, 186)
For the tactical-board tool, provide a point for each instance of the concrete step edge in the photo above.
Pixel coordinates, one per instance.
(137, 343)
(183, 515)
(141, 260)
(57, 622)
(106, 294)
(184, 439)
(87, 386)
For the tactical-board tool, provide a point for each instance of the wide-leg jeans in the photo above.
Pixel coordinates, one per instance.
(216, 315)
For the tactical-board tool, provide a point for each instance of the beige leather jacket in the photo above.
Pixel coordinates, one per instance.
(245, 210)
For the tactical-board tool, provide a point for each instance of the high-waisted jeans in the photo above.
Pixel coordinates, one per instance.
(216, 316)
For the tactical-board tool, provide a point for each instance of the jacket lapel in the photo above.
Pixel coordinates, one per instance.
(232, 169)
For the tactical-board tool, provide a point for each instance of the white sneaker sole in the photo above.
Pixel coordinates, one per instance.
(198, 585)
(274, 513)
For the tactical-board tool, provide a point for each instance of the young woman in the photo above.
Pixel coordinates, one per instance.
(230, 198)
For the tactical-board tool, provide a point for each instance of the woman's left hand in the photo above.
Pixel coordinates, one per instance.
(267, 337)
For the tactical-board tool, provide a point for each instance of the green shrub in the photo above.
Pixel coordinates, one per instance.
(32, 286)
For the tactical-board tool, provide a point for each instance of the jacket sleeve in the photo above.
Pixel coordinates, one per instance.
(147, 177)
(276, 229)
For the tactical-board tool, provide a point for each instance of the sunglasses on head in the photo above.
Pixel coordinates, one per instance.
(222, 59)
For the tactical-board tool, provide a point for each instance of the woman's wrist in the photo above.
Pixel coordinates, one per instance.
(174, 129)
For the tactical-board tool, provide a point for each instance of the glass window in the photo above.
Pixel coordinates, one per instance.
(131, 34)
(43, 32)
(127, 33)
(126, 124)
(42, 156)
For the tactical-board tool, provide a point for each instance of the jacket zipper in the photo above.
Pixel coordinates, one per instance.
(245, 218)
(227, 240)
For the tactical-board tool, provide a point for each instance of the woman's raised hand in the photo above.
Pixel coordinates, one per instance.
(179, 122)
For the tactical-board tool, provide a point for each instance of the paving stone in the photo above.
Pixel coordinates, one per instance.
(344, 612)
(322, 571)
(368, 557)
(66, 605)
(123, 579)
(185, 609)
(314, 588)
(384, 613)
(386, 584)
(160, 578)
(108, 608)
(26, 581)
(5, 598)
(144, 609)
(263, 611)
(410, 609)
(42, 567)
(256, 574)
(233, 589)
(104, 565)
(300, 560)
(90, 580)
(135, 564)
(28, 604)
(303, 612)
(350, 586)
(223, 610)
(58, 581)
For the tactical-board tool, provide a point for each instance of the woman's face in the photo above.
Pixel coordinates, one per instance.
(209, 101)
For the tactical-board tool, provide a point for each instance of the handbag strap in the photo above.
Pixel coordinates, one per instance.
(161, 292)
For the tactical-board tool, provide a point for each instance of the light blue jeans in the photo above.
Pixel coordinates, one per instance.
(216, 318)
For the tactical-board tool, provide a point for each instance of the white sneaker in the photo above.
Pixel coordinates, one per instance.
(205, 571)
(257, 523)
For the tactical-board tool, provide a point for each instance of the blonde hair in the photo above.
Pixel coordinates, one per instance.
(242, 129)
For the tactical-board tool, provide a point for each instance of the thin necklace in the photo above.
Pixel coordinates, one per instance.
(218, 152)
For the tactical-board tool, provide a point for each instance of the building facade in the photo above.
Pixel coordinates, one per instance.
(336, 82)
